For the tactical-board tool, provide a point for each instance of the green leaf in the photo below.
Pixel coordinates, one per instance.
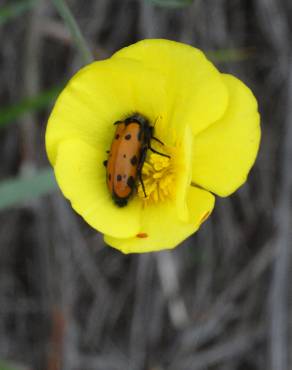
(14, 10)
(21, 189)
(7, 366)
(11, 113)
(171, 3)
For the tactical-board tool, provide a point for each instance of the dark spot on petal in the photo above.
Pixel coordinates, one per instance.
(142, 235)
(119, 177)
(134, 160)
(117, 136)
(128, 137)
(105, 163)
(131, 182)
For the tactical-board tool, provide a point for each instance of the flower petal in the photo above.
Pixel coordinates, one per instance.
(81, 176)
(196, 93)
(224, 153)
(161, 228)
(183, 167)
(99, 95)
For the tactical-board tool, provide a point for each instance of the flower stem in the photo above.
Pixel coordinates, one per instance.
(74, 29)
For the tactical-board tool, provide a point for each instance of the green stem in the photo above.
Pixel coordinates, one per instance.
(74, 29)
(171, 3)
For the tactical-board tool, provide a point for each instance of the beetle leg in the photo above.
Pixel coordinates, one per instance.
(139, 168)
(142, 183)
(159, 141)
(155, 151)
(142, 159)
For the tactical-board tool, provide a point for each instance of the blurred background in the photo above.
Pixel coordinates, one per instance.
(221, 300)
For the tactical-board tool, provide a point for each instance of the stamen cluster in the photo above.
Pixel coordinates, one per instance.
(158, 177)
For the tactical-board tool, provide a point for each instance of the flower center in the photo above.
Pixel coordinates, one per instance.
(158, 178)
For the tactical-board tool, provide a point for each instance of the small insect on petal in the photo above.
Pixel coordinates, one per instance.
(127, 155)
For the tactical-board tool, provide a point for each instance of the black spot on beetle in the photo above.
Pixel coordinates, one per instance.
(134, 160)
(128, 137)
(124, 156)
(109, 177)
(119, 177)
(105, 163)
(131, 182)
(117, 136)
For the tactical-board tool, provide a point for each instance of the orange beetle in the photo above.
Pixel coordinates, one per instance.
(127, 155)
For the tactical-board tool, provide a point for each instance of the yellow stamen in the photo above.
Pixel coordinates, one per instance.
(158, 179)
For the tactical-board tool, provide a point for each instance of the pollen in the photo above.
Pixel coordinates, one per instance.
(158, 179)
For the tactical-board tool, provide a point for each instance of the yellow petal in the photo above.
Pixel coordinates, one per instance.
(224, 153)
(196, 94)
(183, 166)
(99, 95)
(81, 176)
(161, 227)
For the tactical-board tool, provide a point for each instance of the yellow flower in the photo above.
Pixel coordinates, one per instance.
(208, 123)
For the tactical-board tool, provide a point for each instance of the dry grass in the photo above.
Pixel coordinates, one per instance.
(221, 300)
